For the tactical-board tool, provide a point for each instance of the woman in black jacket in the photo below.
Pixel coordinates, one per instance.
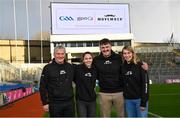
(85, 79)
(136, 84)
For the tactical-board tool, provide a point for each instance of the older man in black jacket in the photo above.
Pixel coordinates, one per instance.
(56, 86)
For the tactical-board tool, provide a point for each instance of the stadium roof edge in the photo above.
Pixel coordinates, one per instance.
(93, 37)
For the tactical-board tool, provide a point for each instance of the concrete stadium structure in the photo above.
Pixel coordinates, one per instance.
(78, 44)
(16, 51)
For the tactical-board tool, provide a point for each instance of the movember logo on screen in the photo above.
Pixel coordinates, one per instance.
(66, 18)
(109, 17)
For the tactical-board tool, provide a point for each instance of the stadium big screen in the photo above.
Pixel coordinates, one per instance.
(83, 18)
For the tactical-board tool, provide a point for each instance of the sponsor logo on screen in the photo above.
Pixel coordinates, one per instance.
(88, 18)
(66, 18)
(109, 17)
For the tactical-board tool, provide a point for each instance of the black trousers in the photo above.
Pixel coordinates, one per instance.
(62, 109)
(86, 109)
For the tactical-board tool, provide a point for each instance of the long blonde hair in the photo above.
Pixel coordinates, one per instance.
(135, 59)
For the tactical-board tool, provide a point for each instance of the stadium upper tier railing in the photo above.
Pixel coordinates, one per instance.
(161, 63)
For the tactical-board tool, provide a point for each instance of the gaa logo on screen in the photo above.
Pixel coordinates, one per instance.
(66, 18)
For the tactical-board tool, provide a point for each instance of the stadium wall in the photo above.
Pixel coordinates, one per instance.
(162, 61)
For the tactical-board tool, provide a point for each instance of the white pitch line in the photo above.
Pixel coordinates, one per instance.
(155, 115)
(165, 94)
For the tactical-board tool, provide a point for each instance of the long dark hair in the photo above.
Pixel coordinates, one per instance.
(83, 55)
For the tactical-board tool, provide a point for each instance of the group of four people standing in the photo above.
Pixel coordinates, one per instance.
(123, 83)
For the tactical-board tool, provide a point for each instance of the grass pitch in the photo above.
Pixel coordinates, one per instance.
(164, 101)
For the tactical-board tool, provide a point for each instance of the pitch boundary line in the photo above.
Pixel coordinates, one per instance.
(156, 115)
(166, 94)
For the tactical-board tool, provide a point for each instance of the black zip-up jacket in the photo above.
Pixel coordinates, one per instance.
(136, 82)
(85, 79)
(108, 73)
(56, 83)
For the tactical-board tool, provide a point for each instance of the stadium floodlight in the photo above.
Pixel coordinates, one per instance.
(40, 7)
(15, 27)
(27, 21)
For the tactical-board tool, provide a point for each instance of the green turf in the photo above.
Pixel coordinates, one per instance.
(164, 101)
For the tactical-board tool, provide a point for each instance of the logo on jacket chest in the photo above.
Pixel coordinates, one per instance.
(107, 62)
(128, 73)
(88, 75)
(62, 72)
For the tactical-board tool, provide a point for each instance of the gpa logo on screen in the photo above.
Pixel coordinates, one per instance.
(66, 18)
(89, 18)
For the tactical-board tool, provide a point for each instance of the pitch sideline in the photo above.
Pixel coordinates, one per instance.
(156, 115)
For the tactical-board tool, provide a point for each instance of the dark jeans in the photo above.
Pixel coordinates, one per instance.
(86, 109)
(62, 109)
